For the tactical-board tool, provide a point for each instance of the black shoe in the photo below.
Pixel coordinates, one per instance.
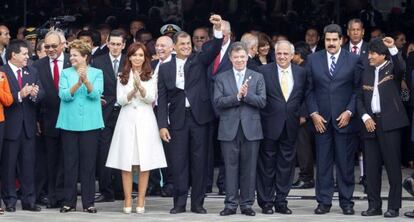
(409, 214)
(102, 199)
(248, 212)
(408, 186)
(371, 212)
(209, 189)
(166, 191)
(348, 211)
(199, 210)
(53, 205)
(227, 212)
(34, 208)
(11, 209)
(283, 209)
(322, 209)
(221, 192)
(301, 184)
(177, 210)
(66, 209)
(267, 210)
(391, 213)
(44, 201)
(91, 210)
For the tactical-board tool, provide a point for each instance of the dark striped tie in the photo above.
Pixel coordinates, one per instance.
(333, 65)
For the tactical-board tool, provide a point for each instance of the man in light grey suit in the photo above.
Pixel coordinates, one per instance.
(239, 94)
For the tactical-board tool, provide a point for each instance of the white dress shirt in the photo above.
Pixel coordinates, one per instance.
(359, 46)
(289, 78)
(112, 61)
(159, 63)
(14, 69)
(60, 60)
(336, 55)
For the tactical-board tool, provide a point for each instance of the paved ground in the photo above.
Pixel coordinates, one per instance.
(301, 202)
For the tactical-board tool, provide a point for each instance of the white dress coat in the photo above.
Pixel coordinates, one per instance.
(136, 139)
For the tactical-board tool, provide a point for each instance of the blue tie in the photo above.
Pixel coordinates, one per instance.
(239, 80)
(333, 65)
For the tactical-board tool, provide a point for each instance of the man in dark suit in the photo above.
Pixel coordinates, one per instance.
(382, 111)
(20, 128)
(214, 157)
(312, 39)
(252, 43)
(49, 69)
(184, 112)
(4, 41)
(333, 81)
(239, 94)
(285, 89)
(111, 65)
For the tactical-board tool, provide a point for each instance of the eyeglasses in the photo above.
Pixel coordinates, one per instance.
(53, 46)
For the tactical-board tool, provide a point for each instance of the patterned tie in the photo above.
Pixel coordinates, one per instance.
(115, 66)
(19, 78)
(333, 65)
(239, 80)
(284, 83)
(56, 74)
(355, 49)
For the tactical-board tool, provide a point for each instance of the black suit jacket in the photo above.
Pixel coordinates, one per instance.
(49, 106)
(103, 62)
(363, 52)
(21, 116)
(171, 100)
(393, 114)
(278, 112)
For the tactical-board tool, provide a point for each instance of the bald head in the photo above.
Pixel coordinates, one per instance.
(163, 47)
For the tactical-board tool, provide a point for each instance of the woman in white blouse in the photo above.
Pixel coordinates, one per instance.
(136, 140)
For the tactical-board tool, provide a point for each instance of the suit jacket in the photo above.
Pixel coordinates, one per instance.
(332, 95)
(104, 63)
(6, 98)
(171, 100)
(49, 106)
(393, 114)
(82, 111)
(252, 64)
(279, 113)
(234, 112)
(21, 115)
(363, 52)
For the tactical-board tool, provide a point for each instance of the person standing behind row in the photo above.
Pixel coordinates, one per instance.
(6, 99)
(136, 141)
(80, 120)
(20, 128)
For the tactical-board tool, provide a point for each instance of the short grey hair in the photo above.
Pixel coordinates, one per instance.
(292, 47)
(57, 32)
(250, 40)
(355, 20)
(237, 46)
(225, 26)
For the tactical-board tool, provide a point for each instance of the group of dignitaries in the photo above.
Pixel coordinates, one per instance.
(254, 109)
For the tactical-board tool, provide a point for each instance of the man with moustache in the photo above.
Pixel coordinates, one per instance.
(20, 128)
(49, 69)
(200, 36)
(239, 94)
(184, 112)
(312, 39)
(285, 91)
(382, 111)
(333, 81)
(111, 65)
(356, 43)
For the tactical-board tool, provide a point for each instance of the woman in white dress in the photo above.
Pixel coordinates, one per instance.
(136, 140)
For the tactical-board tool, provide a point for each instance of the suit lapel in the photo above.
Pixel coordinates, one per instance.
(12, 77)
(172, 76)
(275, 80)
(232, 81)
(187, 76)
(49, 74)
(339, 62)
(108, 66)
(324, 63)
(295, 74)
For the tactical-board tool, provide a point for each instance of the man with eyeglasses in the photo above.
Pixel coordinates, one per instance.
(200, 36)
(111, 64)
(4, 41)
(50, 68)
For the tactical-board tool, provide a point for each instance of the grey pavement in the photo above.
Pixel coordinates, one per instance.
(301, 202)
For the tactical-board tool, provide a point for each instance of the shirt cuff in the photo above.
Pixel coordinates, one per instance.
(19, 97)
(349, 112)
(218, 34)
(365, 117)
(393, 50)
(313, 114)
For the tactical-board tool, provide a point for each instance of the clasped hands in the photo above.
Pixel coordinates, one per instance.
(29, 90)
(243, 90)
(319, 121)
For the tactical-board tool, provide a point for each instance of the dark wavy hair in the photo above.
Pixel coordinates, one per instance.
(146, 66)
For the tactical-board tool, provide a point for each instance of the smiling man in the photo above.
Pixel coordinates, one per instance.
(239, 94)
(333, 81)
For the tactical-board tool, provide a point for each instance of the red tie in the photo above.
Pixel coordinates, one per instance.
(355, 49)
(56, 74)
(216, 64)
(19, 78)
